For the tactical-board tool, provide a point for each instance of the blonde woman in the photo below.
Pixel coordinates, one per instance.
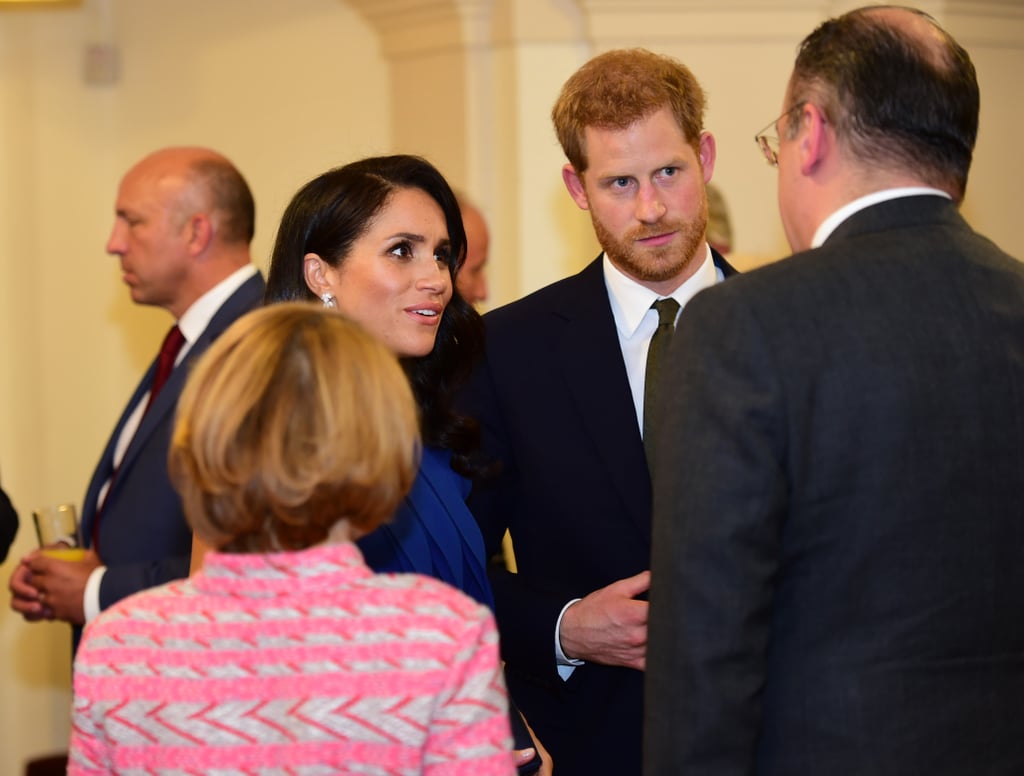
(285, 653)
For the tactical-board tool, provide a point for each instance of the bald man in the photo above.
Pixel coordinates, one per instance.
(472, 279)
(183, 222)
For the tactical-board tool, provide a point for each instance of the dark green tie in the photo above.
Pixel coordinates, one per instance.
(656, 353)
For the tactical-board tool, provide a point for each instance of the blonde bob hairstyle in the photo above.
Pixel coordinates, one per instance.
(294, 419)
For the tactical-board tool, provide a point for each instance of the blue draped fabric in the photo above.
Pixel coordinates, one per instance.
(433, 532)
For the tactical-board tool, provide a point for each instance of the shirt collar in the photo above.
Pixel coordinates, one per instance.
(630, 300)
(196, 318)
(830, 224)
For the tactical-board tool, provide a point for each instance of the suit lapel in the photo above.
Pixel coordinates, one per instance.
(595, 375)
(720, 262)
(247, 296)
(105, 466)
(163, 406)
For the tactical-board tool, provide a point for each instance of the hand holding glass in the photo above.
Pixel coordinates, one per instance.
(57, 529)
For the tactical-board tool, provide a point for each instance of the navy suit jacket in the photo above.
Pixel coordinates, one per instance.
(143, 538)
(555, 407)
(839, 512)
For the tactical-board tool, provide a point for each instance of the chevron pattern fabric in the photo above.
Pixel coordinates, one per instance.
(303, 664)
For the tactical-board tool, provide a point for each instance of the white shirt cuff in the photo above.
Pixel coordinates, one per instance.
(91, 597)
(565, 664)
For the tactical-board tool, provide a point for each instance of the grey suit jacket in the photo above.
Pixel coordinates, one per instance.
(838, 584)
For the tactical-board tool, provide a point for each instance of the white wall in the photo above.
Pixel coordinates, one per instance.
(288, 89)
(995, 197)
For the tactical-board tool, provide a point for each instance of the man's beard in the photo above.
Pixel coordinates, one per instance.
(655, 265)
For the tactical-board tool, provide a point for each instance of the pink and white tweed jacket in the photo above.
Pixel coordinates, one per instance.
(302, 663)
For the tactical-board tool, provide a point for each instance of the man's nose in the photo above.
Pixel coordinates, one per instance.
(649, 206)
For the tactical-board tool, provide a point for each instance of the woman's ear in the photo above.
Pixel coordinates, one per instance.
(316, 272)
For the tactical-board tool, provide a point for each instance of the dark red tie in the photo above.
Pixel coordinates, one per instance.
(165, 362)
(164, 366)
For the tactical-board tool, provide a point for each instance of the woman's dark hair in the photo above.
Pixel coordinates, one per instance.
(326, 217)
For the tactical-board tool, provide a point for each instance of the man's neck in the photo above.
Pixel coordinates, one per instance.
(207, 273)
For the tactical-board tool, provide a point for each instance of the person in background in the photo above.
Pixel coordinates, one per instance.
(285, 651)
(839, 497)
(719, 223)
(471, 279)
(183, 223)
(560, 399)
(8, 524)
(379, 241)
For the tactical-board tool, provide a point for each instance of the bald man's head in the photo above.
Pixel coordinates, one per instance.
(472, 278)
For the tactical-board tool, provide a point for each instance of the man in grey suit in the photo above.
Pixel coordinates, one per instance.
(184, 221)
(837, 585)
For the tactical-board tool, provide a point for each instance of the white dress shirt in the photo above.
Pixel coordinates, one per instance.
(635, 323)
(192, 324)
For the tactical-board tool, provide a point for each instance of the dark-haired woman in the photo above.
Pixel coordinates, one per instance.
(380, 240)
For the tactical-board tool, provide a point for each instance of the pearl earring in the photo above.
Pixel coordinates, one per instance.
(328, 299)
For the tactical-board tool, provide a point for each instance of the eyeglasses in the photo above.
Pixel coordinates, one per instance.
(769, 144)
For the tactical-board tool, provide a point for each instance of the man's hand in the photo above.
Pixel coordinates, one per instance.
(52, 589)
(24, 597)
(608, 626)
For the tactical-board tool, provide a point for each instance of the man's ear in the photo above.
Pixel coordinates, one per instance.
(574, 183)
(198, 233)
(815, 141)
(708, 153)
(316, 272)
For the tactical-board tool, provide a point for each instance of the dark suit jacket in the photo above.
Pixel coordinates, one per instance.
(838, 584)
(143, 537)
(555, 407)
(8, 525)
